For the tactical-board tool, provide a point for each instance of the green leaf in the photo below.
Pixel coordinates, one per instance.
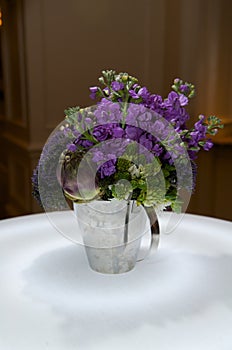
(71, 110)
(194, 148)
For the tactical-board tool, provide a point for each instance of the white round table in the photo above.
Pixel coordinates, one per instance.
(179, 298)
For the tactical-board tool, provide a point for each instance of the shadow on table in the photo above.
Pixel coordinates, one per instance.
(168, 287)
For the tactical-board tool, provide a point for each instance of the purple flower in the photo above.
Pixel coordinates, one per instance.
(184, 88)
(195, 138)
(167, 158)
(93, 91)
(133, 133)
(135, 86)
(155, 103)
(133, 94)
(208, 145)
(143, 92)
(108, 168)
(144, 141)
(157, 150)
(183, 100)
(199, 131)
(173, 109)
(192, 155)
(79, 117)
(159, 129)
(98, 156)
(102, 132)
(110, 149)
(172, 100)
(108, 111)
(83, 142)
(117, 132)
(199, 126)
(134, 113)
(116, 85)
(145, 116)
(71, 147)
(88, 120)
(76, 133)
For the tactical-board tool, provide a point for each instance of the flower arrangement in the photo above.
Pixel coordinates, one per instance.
(131, 145)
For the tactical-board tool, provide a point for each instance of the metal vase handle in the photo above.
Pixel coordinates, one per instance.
(153, 236)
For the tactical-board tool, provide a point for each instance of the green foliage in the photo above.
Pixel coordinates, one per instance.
(213, 124)
(71, 115)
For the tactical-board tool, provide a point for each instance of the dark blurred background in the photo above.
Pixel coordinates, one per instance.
(53, 50)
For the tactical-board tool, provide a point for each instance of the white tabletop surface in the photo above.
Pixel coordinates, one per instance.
(179, 298)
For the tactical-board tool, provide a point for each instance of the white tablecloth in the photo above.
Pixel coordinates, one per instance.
(179, 298)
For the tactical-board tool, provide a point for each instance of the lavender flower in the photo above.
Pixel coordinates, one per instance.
(145, 141)
(133, 133)
(118, 132)
(71, 147)
(102, 132)
(116, 85)
(108, 168)
(139, 93)
(184, 88)
(208, 145)
(93, 90)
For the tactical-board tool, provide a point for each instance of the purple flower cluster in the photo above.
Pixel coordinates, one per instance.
(138, 92)
(129, 128)
(157, 125)
(194, 138)
(152, 131)
(116, 86)
(172, 108)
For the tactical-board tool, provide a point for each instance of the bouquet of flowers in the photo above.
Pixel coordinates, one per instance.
(132, 145)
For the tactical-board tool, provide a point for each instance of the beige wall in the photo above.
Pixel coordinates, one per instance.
(52, 51)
